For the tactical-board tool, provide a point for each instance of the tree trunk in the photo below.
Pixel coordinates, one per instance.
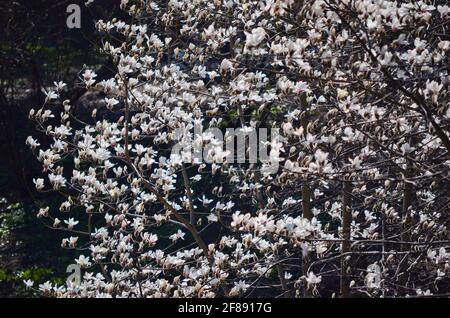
(306, 192)
(346, 221)
(405, 228)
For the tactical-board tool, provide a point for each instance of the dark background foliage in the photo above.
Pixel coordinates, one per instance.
(36, 48)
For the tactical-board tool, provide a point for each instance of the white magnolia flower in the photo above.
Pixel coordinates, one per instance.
(32, 142)
(111, 102)
(213, 218)
(71, 223)
(89, 77)
(51, 95)
(176, 236)
(254, 38)
(39, 183)
(226, 66)
(239, 288)
(83, 261)
(46, 288)
(312, 280)
(59, 85)
(28, 283)
(205, 200)
(43, 212)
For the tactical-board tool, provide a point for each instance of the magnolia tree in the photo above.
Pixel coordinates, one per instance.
(257, 148)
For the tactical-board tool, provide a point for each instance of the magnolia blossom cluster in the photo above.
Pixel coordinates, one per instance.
(359, 204)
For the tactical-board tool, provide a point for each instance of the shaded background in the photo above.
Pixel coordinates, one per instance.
(36, 49)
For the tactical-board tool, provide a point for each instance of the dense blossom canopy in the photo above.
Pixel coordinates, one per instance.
(359, 202)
